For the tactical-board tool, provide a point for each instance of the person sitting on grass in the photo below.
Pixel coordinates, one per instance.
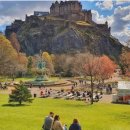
(48, 122)
(75, 125)
(57, 124)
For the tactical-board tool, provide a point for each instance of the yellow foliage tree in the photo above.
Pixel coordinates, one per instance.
(8, 56)
(13, 39)
(49, 64)
(22, 62)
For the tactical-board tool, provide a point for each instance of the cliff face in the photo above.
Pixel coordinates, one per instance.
(61, 36)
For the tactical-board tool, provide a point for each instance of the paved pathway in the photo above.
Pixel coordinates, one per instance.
(106, 99)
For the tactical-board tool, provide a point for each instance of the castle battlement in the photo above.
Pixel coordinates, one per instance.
(66, 7)
(71, 10)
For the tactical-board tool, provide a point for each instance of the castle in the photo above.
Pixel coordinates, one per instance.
(67, 10)
(70, 10)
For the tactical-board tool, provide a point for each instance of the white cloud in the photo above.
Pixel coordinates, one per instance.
(9, 11)
(127, 17)
(120, 2)
(123, 36)
(100, 19)
(5, 20)
(21, 8)
(119, 22)
(105, 5)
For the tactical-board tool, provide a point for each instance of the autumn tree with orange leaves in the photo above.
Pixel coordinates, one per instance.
(106, 68)
(98, 68)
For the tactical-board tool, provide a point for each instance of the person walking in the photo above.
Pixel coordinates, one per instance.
(75, 125)
(48, 122)
(57, 124)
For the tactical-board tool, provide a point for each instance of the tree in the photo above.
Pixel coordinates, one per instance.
(125, 60)
(20, 94)
(63, 64)
(91, 69)
(8, 57)
(78, 63)
(106, 68)
(69, 65)
(48, 59)
(14, 41)
(29, 65)
(22, 63)
(98, 68)
(59, 63)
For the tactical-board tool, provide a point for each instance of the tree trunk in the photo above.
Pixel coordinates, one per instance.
(20, 102)
(13, 77)
(91, 90)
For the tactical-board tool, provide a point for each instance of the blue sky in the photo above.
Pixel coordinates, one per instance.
(116, 12)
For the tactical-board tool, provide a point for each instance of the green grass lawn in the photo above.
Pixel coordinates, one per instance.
(91, 117)
(4, 79)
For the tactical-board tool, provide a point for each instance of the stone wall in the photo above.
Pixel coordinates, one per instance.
(104, 28)
(71, 10)
(66, 7)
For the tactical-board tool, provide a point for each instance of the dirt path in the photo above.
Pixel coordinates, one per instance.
(106, 99)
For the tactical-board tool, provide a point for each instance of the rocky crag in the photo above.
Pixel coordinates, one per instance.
(59, 35)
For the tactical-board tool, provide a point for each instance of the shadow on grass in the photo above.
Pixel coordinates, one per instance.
(14, 105)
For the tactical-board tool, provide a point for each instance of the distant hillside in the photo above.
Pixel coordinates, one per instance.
(58, 36)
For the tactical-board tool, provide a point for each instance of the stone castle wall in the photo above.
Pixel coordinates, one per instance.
(71, 10)
(104, 28)
(64, 8)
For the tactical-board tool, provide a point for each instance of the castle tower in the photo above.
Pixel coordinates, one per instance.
(63, 8)
(54, 9)
(70, 10)
(57, 9)
(75, 6)
(88, 16)
(106, 23)
(108, 29)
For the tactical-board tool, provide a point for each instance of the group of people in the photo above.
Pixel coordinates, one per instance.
(51, 123)
(4, 86)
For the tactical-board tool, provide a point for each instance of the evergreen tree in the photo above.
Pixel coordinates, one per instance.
(20, 94)
(29, 65)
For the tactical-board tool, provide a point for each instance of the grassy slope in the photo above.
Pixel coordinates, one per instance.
(95, 117)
